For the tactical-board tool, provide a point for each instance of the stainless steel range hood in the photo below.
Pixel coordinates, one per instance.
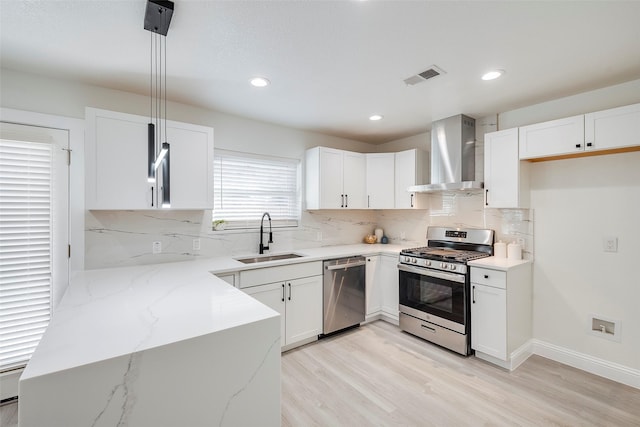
(453, 156)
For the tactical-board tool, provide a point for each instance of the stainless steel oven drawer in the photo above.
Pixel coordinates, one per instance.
(434, 333)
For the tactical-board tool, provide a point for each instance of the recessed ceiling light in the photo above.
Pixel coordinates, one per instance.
(491, 75)
(259, 82)
(375, 117)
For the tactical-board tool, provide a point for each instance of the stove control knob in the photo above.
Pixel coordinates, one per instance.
(452, 267)
(427, 263)
(414, 260)
(443, 265)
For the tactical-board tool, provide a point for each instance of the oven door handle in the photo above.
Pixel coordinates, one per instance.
(459, 278)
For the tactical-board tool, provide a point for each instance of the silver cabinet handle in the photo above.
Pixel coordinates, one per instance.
(346, 200)
(368, 201)
(411, 199)
(342, 200)
(289, 291)
(473, 294)
(283, 292)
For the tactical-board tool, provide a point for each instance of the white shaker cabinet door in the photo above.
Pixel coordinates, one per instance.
(116, 162)
(304, 308)
(191, 166)
(373, 288)
(553, 138)
(411, 168)
(489, 320)
(388, 278)
(380, 180)
(614, 128)
(354, 180)
(273, 296)
(506, 178)
(331, 192)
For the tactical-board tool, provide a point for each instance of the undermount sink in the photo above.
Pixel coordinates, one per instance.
(265, 258)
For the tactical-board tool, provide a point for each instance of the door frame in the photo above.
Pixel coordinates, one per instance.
(75, 127)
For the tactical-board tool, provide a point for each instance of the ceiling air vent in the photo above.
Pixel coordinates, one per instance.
(433, 71)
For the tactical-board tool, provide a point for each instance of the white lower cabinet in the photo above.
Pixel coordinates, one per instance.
(389, 282)
(501, 313)
(489, 324)
(299, 302)
(382, 288)
(373, 288)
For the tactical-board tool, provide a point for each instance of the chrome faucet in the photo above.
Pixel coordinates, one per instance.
(262, 246)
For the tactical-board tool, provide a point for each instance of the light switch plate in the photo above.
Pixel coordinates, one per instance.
(610, 244)
(196, 244)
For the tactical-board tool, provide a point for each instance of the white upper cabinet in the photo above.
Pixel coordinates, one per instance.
(554, 138)
(614, 128)
(380, 180)
(116, 161)
(354, 176)
(335, 179)
(411, 168)
(506, 178)
(191, 166)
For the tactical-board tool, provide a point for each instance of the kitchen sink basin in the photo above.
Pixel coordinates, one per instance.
(265, 258)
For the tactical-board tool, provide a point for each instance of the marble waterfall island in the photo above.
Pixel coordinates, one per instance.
(155, 345)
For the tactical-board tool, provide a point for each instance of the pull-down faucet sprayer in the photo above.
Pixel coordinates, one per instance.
(262, 246)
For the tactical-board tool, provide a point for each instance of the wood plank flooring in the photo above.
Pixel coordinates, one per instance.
(377, 375)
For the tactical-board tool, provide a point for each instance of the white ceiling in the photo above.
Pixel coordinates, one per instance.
(334, 63)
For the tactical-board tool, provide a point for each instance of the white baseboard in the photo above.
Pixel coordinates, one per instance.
(594, 365)
(521, 354)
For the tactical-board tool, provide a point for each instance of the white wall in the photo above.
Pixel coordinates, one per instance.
(575, 204)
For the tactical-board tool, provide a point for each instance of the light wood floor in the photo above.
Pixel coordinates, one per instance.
(377, 375)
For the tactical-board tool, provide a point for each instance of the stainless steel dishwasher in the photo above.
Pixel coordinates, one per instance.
(344, 293)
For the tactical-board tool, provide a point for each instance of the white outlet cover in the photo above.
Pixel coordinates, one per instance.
(157, 248)
(196, 244)
(610, 244)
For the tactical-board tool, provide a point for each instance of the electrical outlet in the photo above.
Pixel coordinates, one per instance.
(156, 248)
(196, 244)
(610, 244)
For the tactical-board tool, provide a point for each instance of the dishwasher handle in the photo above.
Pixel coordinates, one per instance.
(345, 266)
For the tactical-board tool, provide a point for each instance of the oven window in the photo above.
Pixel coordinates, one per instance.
(432, 295)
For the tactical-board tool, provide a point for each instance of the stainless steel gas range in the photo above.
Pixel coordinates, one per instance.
(434, 285)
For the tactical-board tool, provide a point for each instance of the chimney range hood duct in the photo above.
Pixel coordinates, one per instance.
(453, 156)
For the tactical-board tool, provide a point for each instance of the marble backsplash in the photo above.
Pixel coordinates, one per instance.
(121, 238)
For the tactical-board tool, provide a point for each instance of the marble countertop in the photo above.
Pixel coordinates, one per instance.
(495, 263)
(108, 313)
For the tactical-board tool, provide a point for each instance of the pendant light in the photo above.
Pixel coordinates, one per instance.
(157, 18)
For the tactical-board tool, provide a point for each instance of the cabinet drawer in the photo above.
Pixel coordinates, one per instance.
(485, 276)
(260, 276)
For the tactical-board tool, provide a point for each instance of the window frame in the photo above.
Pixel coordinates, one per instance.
(240, 226)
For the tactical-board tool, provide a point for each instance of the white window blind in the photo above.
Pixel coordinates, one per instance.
(246, 186)
(25, 248)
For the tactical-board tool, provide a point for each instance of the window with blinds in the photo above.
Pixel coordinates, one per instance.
(25, 248)
(246, 186)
